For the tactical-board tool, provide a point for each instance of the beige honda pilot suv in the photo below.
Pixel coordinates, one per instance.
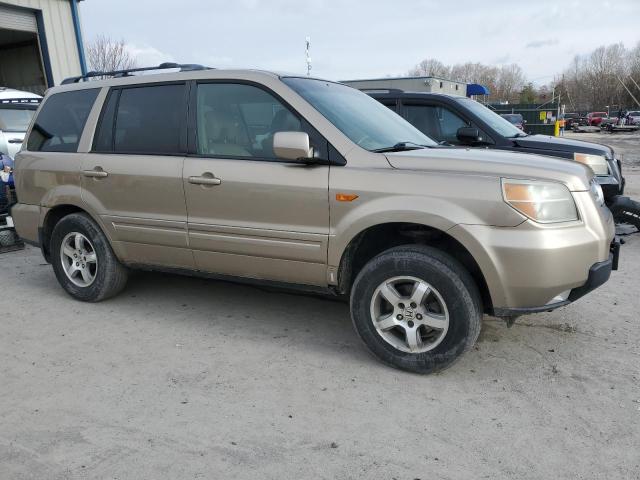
(291, 180)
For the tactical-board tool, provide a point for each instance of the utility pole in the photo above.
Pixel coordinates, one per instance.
(308, 56)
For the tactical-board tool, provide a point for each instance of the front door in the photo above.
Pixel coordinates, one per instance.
(435, 120)
(249, 213)
(133, 177)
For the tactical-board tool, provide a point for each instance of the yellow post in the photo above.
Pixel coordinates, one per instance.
(556, 130)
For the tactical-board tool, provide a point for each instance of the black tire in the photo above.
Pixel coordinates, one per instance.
(110, 275)
(445, 274)
(4, 199)
(626, 210)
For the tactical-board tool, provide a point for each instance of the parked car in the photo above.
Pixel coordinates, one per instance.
(594, 119)
(573, 119)
(514, 119)
(461, 121)
(16, 111)
(633, 117)
(299, 181)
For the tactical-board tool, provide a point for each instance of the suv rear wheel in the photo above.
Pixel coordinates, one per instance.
(416, 308)
(83, 261)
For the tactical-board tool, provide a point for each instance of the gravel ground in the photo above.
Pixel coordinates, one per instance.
(188, 378)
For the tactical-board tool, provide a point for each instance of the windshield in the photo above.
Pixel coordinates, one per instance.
(364, 120)
(15, 120)
(491, 118)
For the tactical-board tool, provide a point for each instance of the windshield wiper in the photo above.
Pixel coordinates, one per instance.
(519, 134)
(401, 147)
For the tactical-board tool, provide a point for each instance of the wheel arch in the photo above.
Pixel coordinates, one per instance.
(375, 239)
(53, 215)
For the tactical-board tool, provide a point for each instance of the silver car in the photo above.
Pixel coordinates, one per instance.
(16, 111)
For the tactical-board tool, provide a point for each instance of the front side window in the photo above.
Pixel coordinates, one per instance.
(436, 121)
(61, 121)
(364, 120)
(491, 118)
(239, 120)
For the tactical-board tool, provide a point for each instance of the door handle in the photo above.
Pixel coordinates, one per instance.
(205, 179)
(95, 173)
(14, 140)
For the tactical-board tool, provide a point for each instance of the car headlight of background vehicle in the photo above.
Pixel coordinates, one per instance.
(597, 163)
(543, 202)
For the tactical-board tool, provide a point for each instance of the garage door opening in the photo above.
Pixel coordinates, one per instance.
(21, 64)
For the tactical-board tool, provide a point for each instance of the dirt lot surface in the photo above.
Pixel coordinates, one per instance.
(186, 378)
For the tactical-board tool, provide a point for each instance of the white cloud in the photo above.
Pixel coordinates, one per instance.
(146, 55)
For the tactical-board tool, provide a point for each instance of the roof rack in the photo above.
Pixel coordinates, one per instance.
(184, 67)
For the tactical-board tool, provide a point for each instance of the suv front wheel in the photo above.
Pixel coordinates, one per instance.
(416, 308)
(83, 261)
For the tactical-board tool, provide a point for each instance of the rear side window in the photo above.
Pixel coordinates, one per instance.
(143, 120)
(59, 124)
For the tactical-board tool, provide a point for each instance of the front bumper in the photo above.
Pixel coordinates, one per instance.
(599, 274)
(534, 267)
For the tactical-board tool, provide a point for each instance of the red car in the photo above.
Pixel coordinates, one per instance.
(595, 118)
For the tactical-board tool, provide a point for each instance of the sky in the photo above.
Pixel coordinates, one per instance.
(364, 39)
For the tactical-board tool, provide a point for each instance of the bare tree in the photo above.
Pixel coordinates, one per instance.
(592, 81)
(510, 82)
(106, 55)
(504, 83)
(430, 67)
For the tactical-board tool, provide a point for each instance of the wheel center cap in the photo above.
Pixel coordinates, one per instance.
(408, 313)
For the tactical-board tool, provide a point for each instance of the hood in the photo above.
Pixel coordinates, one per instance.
(495, 163)
(562, 144)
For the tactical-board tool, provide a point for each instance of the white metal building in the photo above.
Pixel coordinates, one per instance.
(411, 84)
(40, 43)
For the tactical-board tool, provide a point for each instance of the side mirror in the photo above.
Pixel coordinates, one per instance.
(469, 135)
(292, 145)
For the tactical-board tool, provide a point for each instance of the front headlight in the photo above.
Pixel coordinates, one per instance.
(543, 202)
(597, 163)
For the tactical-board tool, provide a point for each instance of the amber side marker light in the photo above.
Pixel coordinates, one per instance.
(346, 197)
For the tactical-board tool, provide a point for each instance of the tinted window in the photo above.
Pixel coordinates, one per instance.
(437, 122)
(103, 139)
(237, 120)
(491, 118)
(146, 119)
(60, 123)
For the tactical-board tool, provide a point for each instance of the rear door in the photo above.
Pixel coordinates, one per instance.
(251, 214)
(132, 178)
